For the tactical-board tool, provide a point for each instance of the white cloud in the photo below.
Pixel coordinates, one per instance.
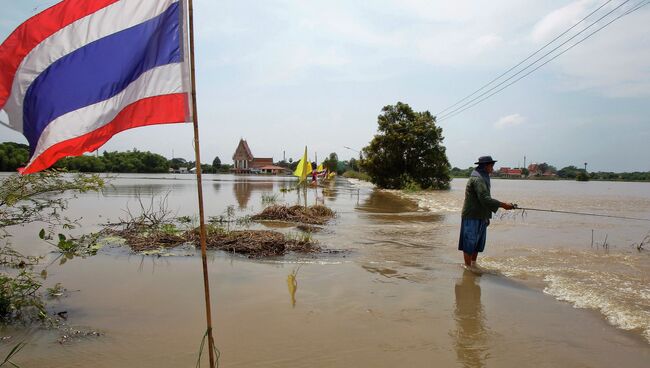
(487, 42)
(613, 62)
(560, 19)
(509, 121)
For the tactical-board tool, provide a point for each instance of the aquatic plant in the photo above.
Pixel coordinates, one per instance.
(269, 199)
(55, 291)
(20, 299)
(26, 199)
(16, 349)
(301, 237)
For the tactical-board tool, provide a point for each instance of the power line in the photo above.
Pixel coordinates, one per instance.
(523, 61)
(445, 116)
(635, 8)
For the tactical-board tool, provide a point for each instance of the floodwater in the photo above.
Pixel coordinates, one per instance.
(398, 297)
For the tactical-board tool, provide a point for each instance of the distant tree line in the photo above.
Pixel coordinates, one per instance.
(572, 173)
(331, 163)
(15, 155)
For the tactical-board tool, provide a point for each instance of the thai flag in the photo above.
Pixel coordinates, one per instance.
(82, 71)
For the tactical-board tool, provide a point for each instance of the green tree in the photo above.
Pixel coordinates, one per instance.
(570, 172)
(542, 168)
(216, 163)
(353, 164)
(461, 173)
(13, 155)
(175, 163)
(407, 150)
(332, 162)
(582, 176)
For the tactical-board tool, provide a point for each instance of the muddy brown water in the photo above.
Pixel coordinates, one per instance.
(549, 297)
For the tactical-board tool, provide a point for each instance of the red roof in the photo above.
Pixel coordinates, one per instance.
(258, 162)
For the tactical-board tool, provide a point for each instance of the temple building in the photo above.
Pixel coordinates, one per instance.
(246, 163)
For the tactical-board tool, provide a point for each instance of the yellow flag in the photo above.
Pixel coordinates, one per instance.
(320, 168)
(303, 168)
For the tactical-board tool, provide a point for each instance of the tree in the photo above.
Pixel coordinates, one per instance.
(175, 163)
(216, 163)
(582, 176)
(13, 155)
(461, 173)
(407, 150)
(332, 162)
(354, 164)
(569, 172)
(542, 168)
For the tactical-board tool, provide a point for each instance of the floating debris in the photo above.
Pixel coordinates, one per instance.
(257, 243)
(313, 215)
(69, 334)
(252, 243)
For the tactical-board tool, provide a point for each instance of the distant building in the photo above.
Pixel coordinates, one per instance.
(540, 170)
(533, 169)
(510, 173)
(246, 163)
(180, 170)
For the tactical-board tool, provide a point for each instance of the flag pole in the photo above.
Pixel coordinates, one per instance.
(204, 257)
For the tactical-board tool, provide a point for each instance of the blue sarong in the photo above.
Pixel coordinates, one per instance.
(472, 235)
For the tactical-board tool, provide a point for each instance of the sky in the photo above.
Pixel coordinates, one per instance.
(283, 74)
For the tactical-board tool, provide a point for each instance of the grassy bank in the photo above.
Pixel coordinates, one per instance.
(356, 175)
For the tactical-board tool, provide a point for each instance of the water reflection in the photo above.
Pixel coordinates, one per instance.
(382, 202)
(244, 189)
(135, 190)
(292, 284)
(471, 334)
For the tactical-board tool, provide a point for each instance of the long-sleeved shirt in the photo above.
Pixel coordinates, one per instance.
(478, 202)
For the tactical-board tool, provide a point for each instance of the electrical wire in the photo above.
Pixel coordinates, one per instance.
(635, 8)
(523, 61)
(534, 62)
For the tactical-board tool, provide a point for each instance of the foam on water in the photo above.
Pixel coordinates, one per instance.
(615, 284)
(434, 201)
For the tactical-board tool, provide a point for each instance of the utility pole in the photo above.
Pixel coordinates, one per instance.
(524, 161)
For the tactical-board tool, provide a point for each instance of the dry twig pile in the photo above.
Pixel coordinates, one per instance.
(314, 215)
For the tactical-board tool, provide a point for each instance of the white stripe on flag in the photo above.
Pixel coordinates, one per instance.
(114, 18)
(163, 80)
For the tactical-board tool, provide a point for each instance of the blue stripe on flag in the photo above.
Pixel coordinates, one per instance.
(100, 70)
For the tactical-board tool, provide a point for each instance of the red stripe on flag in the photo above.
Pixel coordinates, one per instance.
(36, 29)
(166, 109)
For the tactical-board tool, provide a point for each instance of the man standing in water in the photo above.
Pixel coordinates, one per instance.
(477, 211)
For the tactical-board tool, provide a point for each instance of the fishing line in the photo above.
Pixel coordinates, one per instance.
(580, 213)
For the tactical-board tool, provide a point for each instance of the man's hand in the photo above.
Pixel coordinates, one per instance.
(507, 206)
